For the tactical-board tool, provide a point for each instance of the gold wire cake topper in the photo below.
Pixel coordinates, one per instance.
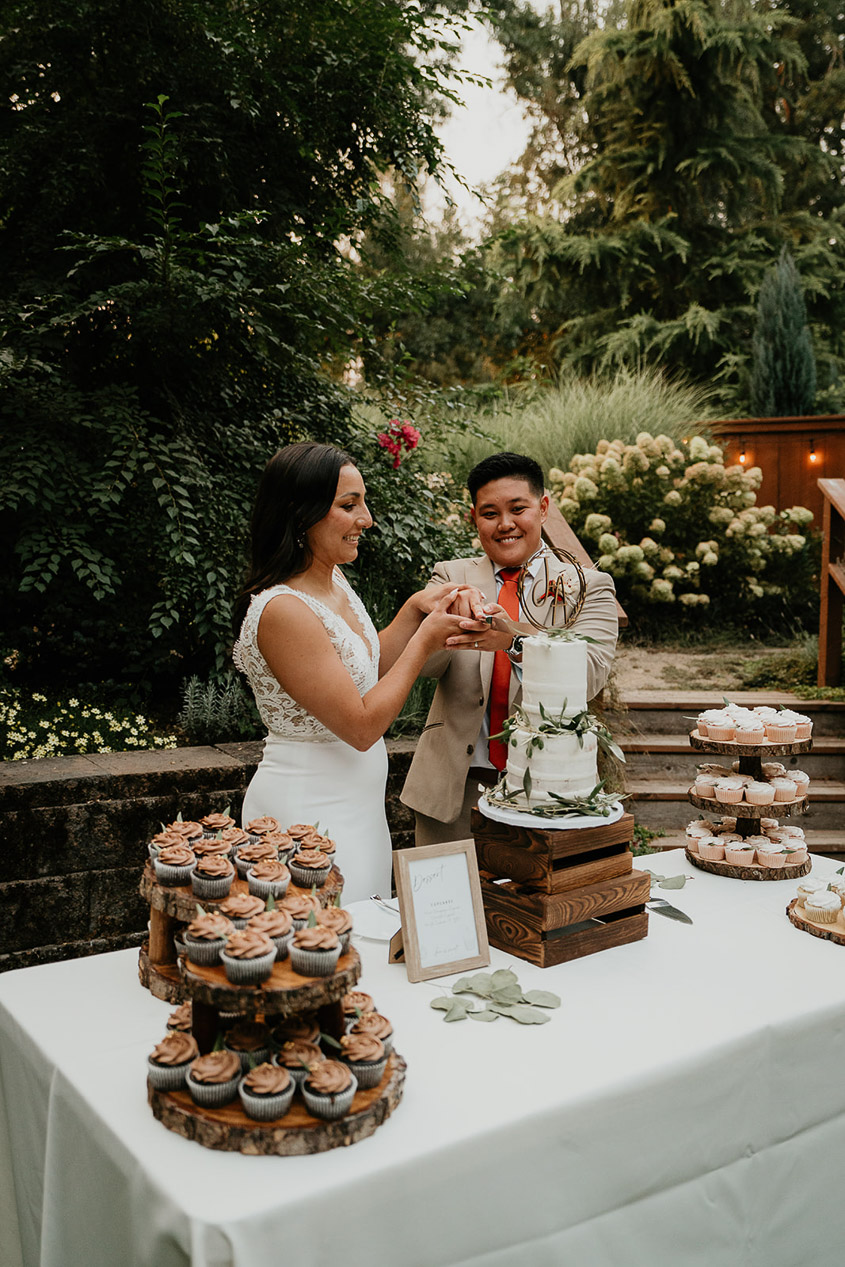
(547, 587)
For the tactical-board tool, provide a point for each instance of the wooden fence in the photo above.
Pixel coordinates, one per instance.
(832, 582)
(796, 455)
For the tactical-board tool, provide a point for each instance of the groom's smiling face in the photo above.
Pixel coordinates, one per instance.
(509, 518)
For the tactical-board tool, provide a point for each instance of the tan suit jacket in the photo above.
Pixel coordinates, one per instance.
(438, 773)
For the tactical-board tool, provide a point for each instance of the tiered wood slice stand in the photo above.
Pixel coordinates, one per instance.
(173, 906)
(751, 758)
(284, 994)
(566, 893)
(830, 932)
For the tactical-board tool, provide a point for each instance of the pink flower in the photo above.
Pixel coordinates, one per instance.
(398, 434)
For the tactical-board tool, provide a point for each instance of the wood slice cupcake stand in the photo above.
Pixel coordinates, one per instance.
(751, 757)
(830, 932)
(561, 894)
(284, 994)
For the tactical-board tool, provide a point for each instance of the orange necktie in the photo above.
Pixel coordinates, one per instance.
(500, 681)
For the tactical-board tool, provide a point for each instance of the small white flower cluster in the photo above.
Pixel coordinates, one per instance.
(708, 535)
(69, 729)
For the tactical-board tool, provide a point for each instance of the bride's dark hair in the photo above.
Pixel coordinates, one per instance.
(296, 491)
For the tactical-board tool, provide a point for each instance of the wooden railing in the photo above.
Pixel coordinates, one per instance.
(832, 582)
(558, 533)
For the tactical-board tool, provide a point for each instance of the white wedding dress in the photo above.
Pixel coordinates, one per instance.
(307, 774)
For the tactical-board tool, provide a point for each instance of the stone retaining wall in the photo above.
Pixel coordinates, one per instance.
(74, 832)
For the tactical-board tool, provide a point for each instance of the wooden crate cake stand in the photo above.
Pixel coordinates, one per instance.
(566, 893)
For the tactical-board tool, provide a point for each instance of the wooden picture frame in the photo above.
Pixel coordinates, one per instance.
(443, 924)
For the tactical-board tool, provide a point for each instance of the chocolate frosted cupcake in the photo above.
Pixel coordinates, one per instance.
(329, 1089)
(249, 1040)
(284, 844)
(366, 1057)
(181, 1018)
(269, 877)
(213, 1079)
(212, 846)
(240, 907)
(305, 1027)
(378, 1026)
(356, 1004)
(213, 823)
(174, 864)
(314, 952)
(212, 877)
(163, 840)
(339, 921)
(299, 906)
(234, 839)
(248, 855)
(278, 926)
(187, 829)
(315, 841)
(266, 1092)
(169, 1062)
(299, 830)
(298, 1057)
(310, 867)
(248, 957)
(206, 936)
(258, 827)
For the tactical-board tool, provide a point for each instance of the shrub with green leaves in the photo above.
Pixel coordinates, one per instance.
(680, 531)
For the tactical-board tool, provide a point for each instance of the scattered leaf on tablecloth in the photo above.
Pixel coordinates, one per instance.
(484, 1014)
(673, 882)
(504, 986)
(541, 998)
(478, 984)
(522, 1012)
(455, 1009)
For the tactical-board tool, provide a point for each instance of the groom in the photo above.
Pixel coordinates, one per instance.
(480, 671)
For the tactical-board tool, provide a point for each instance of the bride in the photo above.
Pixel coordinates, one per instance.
(327, 685)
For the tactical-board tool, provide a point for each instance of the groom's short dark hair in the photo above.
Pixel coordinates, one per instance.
(506, 466)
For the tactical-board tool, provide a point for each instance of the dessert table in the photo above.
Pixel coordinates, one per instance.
(685, 1105)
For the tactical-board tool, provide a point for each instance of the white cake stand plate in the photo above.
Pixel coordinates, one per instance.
(519, 818)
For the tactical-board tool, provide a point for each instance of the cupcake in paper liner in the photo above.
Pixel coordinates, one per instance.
(796, 853)
(729, 791)
(170, 1060)
(366, 1057)
(213, 1079)
(278, 926)
(268, 878)
(329, 1089)
(266, 1092)
(181, 1018)
(823, 907)
(249, 855)
(174, 864)
(314, 952)
(339, 921)
(258, 827)
(241, 907)
(284, 845)
(310, 867)
(303, 1026)
(378, 1026)
(299, 906)
(298, 1055)
(759, 793)
(248, 957)
(356, 1004)
(739, 854)
(808, 887)
(781, 731)
(206, 936)
(711, 849)
(212, 877)
(250, 1041)
(213, 823)
(163, 840)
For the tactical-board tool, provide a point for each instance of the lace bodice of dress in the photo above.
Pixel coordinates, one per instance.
(281, 714)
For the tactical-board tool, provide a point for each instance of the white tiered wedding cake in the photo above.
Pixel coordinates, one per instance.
(554, 675)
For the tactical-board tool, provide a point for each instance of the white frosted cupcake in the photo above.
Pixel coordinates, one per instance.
(770, 854)
(729, 791)
(750, 731)
(781, 731)
(801, 781)
(803, 727)
(711, 849)
(740, 854)
(823, 907)
(705, 785)
(837, 886)
(699, 827)
(796, 853)
(759, 793)
(808, 887)
(785, 790)
(722, 730)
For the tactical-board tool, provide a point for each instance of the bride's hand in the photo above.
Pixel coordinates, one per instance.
(441, 623)
(467, 601)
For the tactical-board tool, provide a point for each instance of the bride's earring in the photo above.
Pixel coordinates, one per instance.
(300, 540)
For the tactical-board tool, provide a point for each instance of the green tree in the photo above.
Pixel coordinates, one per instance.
(171, 292)
(655, 247)
(783, 369)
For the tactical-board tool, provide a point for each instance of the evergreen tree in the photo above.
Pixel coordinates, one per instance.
(783, 369)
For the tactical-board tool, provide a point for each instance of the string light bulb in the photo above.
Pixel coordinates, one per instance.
(812, 451)
(742, 455)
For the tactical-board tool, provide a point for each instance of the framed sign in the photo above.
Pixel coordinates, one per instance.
(443, 926)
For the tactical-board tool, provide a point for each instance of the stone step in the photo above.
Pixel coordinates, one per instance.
(663, 803)
(670, 756)
(830, 843)
(665, 712)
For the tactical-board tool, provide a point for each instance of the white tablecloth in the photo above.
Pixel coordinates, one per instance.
(685, 1106)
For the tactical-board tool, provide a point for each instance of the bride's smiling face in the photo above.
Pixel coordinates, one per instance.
(334, 538)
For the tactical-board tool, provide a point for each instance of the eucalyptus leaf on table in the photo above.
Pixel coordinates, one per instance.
(504, 997)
